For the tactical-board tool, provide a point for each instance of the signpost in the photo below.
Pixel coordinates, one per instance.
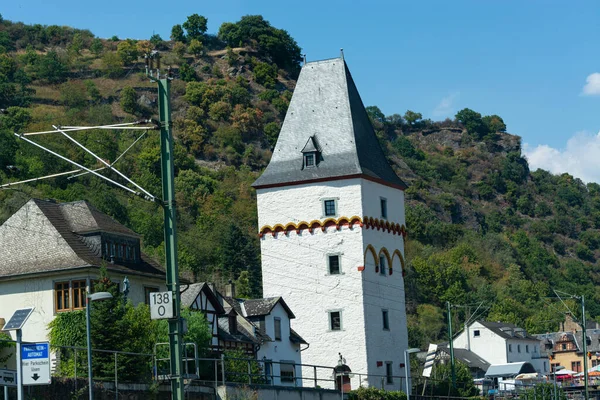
(15, 323)
(35, 363)
(8, 377)
(161, 305)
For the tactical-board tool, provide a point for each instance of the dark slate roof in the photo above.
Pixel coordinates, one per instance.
(39, 239)
(259, 307)
(576, 338)
(326, 105)
(82, 217)
(295, 338)
(508, 331)
(189, 294)
(468, 358)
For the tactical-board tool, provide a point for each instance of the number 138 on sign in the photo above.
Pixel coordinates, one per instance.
(161, 305)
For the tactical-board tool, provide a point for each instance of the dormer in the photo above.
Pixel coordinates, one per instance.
(311, 153)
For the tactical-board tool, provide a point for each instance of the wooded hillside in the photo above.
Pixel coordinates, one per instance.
(482, 228)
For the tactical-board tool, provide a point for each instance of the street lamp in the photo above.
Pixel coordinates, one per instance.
(556, 369)
(92, 297)
(407, 369)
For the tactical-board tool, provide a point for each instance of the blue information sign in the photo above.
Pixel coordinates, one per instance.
(34, 350)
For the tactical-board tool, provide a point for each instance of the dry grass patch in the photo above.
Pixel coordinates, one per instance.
(46, 92)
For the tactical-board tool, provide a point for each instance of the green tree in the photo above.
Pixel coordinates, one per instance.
(128, 52)
(51, 68)
(187, 73)
(472, 122)
(196, 48)
(195, 26)
(494, 123)
(265, 74)
(112, 65)
(177, 34)
(179, 49)
(97, 47)
(129, 100)
(412, 117)
(157, 41)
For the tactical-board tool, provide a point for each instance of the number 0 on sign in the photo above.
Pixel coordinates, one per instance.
(161, 305)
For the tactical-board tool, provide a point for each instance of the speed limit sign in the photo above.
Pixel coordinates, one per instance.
(161, 305)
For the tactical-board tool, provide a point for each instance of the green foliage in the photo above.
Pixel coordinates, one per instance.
(442, 385)
(51, 68)
(177, 34)
(129, 100)
(272, 132)
(97, 47)
(112, 65)
(494, 123)
(6, 347)
(275, 43)
(73, 95)
(373, 393)
(195, 26)
(412, 117)
(128, 52)
(236, 367)
(196, 48)
(473, 122)
(187, 73)
(406, 149)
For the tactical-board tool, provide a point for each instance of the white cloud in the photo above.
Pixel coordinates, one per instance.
(445, 108)
(592, 85)
(580, 158)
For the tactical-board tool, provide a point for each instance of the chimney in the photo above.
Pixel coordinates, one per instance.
(230, 289)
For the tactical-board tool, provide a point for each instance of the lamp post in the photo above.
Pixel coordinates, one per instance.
(557, 368)
(89, 298)
(407, 369)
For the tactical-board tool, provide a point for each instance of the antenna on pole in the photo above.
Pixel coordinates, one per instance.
(342, 53)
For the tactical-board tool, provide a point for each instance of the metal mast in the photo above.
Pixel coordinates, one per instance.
(168, 203)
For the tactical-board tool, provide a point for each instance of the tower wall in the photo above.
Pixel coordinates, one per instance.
(296, 239)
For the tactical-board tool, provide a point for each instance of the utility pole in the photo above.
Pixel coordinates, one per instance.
(583, 326)
(450, 341)
(168, 203)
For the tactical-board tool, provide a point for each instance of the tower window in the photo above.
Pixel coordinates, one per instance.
(476, 333)
(335, 320)
(386, 320)
(383, 202)
(309, 160)
(334, 265)
(382, 264)
(329, 206)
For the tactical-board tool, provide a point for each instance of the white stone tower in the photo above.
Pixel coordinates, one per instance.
(331, 220)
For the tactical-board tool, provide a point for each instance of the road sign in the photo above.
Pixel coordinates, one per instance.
(18, 319)
(161, 305)
(8, 377)
(36, 363)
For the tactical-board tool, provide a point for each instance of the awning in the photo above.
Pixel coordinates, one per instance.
(509, 370)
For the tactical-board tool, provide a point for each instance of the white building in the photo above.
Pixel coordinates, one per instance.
(51, 253)
(331, 218)
(259, 327)
(502, 343)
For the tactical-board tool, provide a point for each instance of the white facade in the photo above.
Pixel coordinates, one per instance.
(38, 292)
(281, 351)
(496, 349)
(295, 266)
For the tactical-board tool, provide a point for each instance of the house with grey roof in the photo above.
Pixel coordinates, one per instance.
(51, 253)
(502, 343)
(259, 327)
(281, 347)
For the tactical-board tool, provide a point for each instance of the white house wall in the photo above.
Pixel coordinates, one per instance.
(280, 350)
(39, 293)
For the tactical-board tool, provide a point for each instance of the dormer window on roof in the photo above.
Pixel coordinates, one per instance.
(311, 153)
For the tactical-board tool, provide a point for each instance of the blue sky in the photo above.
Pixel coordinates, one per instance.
(526, 61)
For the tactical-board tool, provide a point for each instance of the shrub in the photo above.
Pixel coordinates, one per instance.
(373, 393)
